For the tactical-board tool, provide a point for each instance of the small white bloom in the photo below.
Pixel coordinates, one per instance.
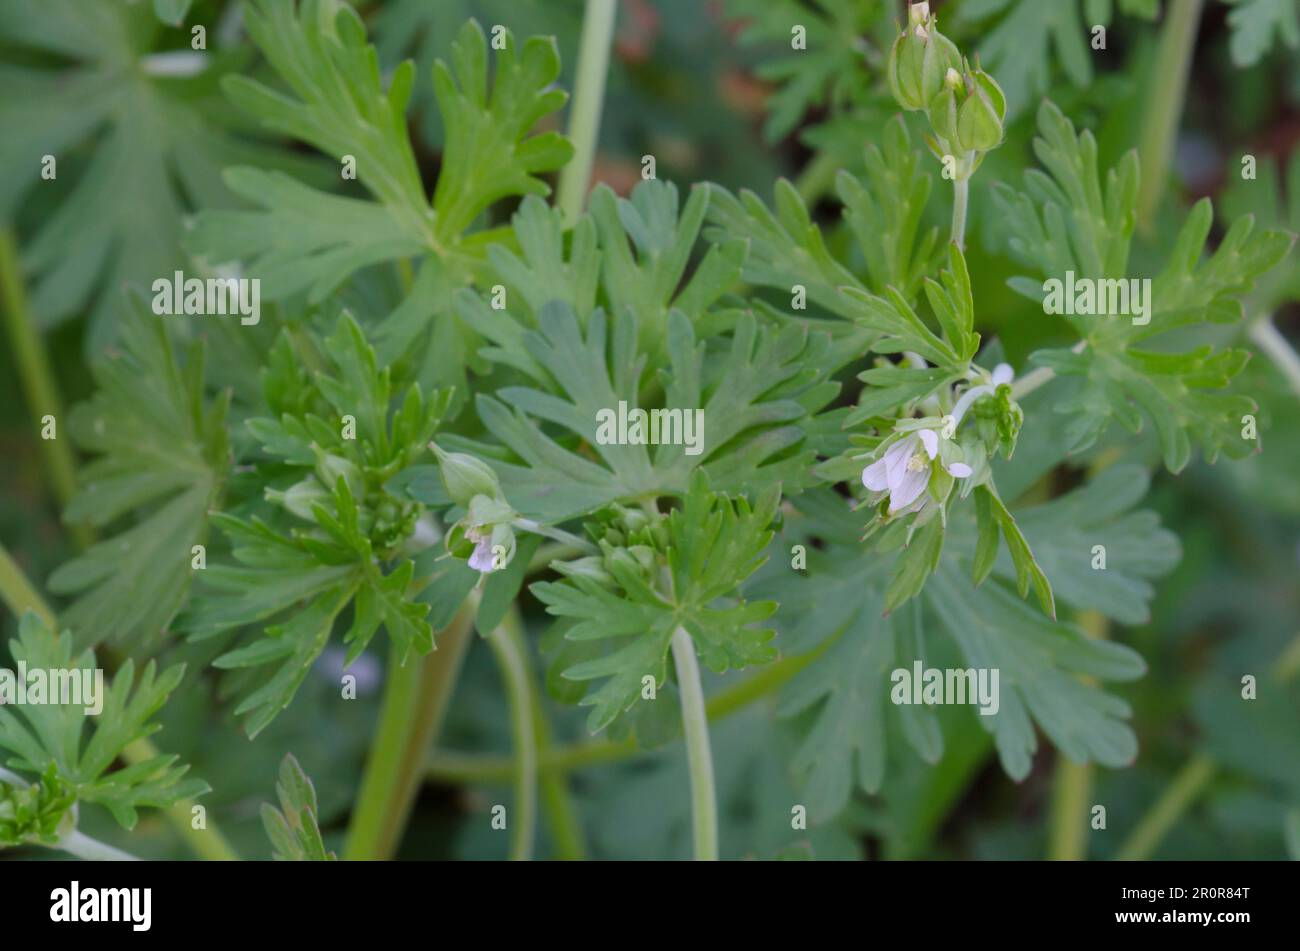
(904, 470)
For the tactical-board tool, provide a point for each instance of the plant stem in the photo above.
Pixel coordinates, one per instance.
(1278, 349)
(557, 534)
(507, 644)
(1169, 808)
(588, 99)
(1072, 785)
(39, 389)
(1036, 378)
(466, 768)
(92, 850)
(695, 723)
(416, 698)
(960, 194)
(557, 801)
(18, 593)
(1167, 87)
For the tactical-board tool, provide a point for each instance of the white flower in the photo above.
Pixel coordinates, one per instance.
(904, 470)
(481, 559)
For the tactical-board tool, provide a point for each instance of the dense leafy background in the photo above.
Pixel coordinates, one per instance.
(1202, 587)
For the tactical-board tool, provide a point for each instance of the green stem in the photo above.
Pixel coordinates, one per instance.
(92, 850)
(695, 723)
(507, 644)
(1167, 87)
(415, 702)
(588, 99)
(1278, 349)
(557, 800)
(39, 389)
(1169, 808)
(448, 766)
(1068, 828)
(960, 194)
(557, 534)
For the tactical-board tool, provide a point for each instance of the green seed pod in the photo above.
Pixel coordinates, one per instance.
(464, 476)
(919, 60)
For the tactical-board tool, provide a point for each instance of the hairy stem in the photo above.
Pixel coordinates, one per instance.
(960, 194)
(39, 388)
(557, 534)
(588, 99)
(1278, 349)
(1166, 88)
(416, 698)
(92, 850)
(507, 643)
(695, 723)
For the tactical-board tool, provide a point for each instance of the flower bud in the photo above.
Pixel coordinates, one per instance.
(464, 476)
(300, 497)
(330, 468)
(919, 60)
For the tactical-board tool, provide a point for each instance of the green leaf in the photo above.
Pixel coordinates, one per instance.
(1067, 223)
(753, 396)
(884, 213)
(293, 828)
(138, 141)
(340, 537)
(1022, 46)
(1066, 531)
(714, 543)
(163, 457)
(41, 736)
(1038, 662)
(1256, 24)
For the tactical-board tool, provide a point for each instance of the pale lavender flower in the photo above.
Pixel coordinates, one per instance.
(904, 470)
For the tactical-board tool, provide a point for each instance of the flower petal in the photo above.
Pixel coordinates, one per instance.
(1002, 373)
(876, 476)
(896, 459)
(930, 439)
(481, 560)
(906, 490)
(960, 470)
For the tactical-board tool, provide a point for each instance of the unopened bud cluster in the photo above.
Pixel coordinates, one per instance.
(927, 73)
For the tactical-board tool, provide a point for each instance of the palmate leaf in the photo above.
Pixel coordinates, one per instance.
(1257, 24)
(163, 457)
(714, 543)
(425, 32)
(341, 107)
(41, 736)
(293, 828)
(1068, 222)
(832, 613)
(290, 580)
(136, 149)
(754, 396)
